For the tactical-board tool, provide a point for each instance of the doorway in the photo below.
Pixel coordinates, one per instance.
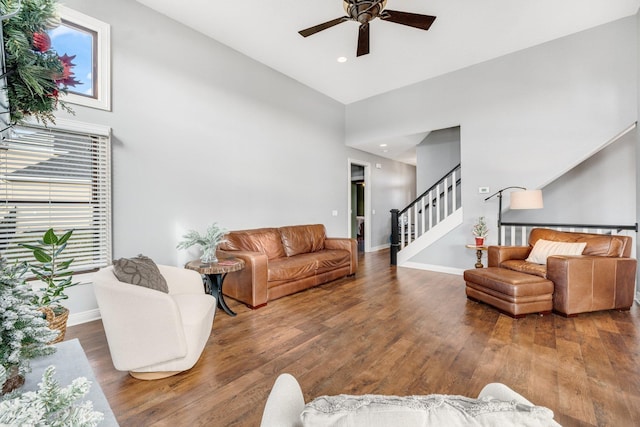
(359, 204)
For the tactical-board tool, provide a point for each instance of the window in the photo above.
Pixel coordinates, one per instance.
(87, 40)
(56, 178)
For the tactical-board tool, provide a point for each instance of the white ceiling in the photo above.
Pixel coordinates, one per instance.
(466, 32)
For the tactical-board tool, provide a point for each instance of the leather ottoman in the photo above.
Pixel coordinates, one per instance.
(511, 292)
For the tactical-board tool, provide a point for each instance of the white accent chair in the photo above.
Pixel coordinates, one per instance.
(150, 333)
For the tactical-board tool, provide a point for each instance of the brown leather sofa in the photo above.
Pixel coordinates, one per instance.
(281, 261)
(602, 278)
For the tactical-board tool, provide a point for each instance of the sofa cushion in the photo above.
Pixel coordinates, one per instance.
(293, 268)
(432, 410)
(263, 240)
(525, 267)
(546, 248)
(302, 239)
(329, 260)
(140, 271)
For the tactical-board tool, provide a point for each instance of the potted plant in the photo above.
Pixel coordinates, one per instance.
(56, 277)
(24, 334)
(208, 242)
(480, 231)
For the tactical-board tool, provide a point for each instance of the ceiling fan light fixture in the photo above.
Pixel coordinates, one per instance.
(364, 11)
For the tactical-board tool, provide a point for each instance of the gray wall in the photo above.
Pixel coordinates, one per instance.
(436, 155)
(525, 118)
(202, 133)
(588, 184)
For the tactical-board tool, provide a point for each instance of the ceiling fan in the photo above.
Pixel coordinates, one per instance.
(363, 11)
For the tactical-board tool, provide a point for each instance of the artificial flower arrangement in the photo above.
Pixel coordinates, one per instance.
(36, 75)
(209, 241)
(480, 228)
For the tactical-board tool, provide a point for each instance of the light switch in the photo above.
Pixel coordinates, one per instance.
(483, 190)
(334, 213)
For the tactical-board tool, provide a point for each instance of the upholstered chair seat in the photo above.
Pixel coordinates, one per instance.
(151, 333)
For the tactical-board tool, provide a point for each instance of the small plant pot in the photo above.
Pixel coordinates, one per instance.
(479, 241)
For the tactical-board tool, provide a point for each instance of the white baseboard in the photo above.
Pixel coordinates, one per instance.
(380, 248)
(83, 317)
(436, 268)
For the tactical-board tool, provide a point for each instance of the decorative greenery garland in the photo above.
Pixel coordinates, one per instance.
(36, 75)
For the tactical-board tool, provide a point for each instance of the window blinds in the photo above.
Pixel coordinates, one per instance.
(60, 179)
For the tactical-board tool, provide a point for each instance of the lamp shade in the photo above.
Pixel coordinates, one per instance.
(526, 199)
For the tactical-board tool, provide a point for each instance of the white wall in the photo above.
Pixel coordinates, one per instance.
(202, 133)
(525, 119)
(589, 183)
(436, 155)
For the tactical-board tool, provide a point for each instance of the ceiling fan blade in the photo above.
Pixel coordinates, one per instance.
(414, 20)
(363, 40)
(317, 28)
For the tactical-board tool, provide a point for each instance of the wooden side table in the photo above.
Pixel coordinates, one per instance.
(479, 250)
(214, 274)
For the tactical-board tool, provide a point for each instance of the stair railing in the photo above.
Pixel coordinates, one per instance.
(425, 212)
(517, 233)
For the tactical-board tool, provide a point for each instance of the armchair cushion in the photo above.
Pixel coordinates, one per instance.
(545, 248)
(140, 271)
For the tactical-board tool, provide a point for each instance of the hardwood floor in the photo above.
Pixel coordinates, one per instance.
(389, 331)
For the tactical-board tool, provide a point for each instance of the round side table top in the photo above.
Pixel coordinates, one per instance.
(479, 248)
(224, 265)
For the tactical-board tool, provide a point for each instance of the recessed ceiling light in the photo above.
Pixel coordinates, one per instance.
(383, 145)
(342, 59)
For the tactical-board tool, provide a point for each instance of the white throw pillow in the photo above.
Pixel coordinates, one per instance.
(545, 248)
(419, 411)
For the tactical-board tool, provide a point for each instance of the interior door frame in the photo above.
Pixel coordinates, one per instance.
(367, 200)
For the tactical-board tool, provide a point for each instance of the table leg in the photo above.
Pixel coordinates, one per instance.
(214, 285)
(479, 256)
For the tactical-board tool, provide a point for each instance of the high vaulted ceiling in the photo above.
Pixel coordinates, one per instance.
(466, 32)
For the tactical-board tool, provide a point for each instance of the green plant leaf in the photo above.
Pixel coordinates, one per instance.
(50, 237)
(65, 237)
(30, 247)
(41, 255)
(65, 264)
(60, 249)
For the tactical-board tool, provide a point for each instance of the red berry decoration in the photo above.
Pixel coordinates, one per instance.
(41, 42)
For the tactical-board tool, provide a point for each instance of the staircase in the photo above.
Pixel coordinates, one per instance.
(428, 218)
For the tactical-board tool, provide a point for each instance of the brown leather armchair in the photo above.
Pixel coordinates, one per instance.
(602, 278)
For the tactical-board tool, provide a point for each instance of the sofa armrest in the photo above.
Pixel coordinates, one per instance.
(502, 392)
(590, 283)
(137, 319)
(284, 405)
(499, 254)
(346, 244)
(248, 285)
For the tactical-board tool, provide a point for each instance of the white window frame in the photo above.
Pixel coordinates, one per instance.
(102, 100)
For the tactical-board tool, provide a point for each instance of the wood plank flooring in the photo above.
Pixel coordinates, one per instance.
(390, 331)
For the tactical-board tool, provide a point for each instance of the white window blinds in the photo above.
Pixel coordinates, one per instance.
(60, 179)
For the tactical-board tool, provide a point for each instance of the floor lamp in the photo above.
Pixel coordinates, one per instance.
(524, 199)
